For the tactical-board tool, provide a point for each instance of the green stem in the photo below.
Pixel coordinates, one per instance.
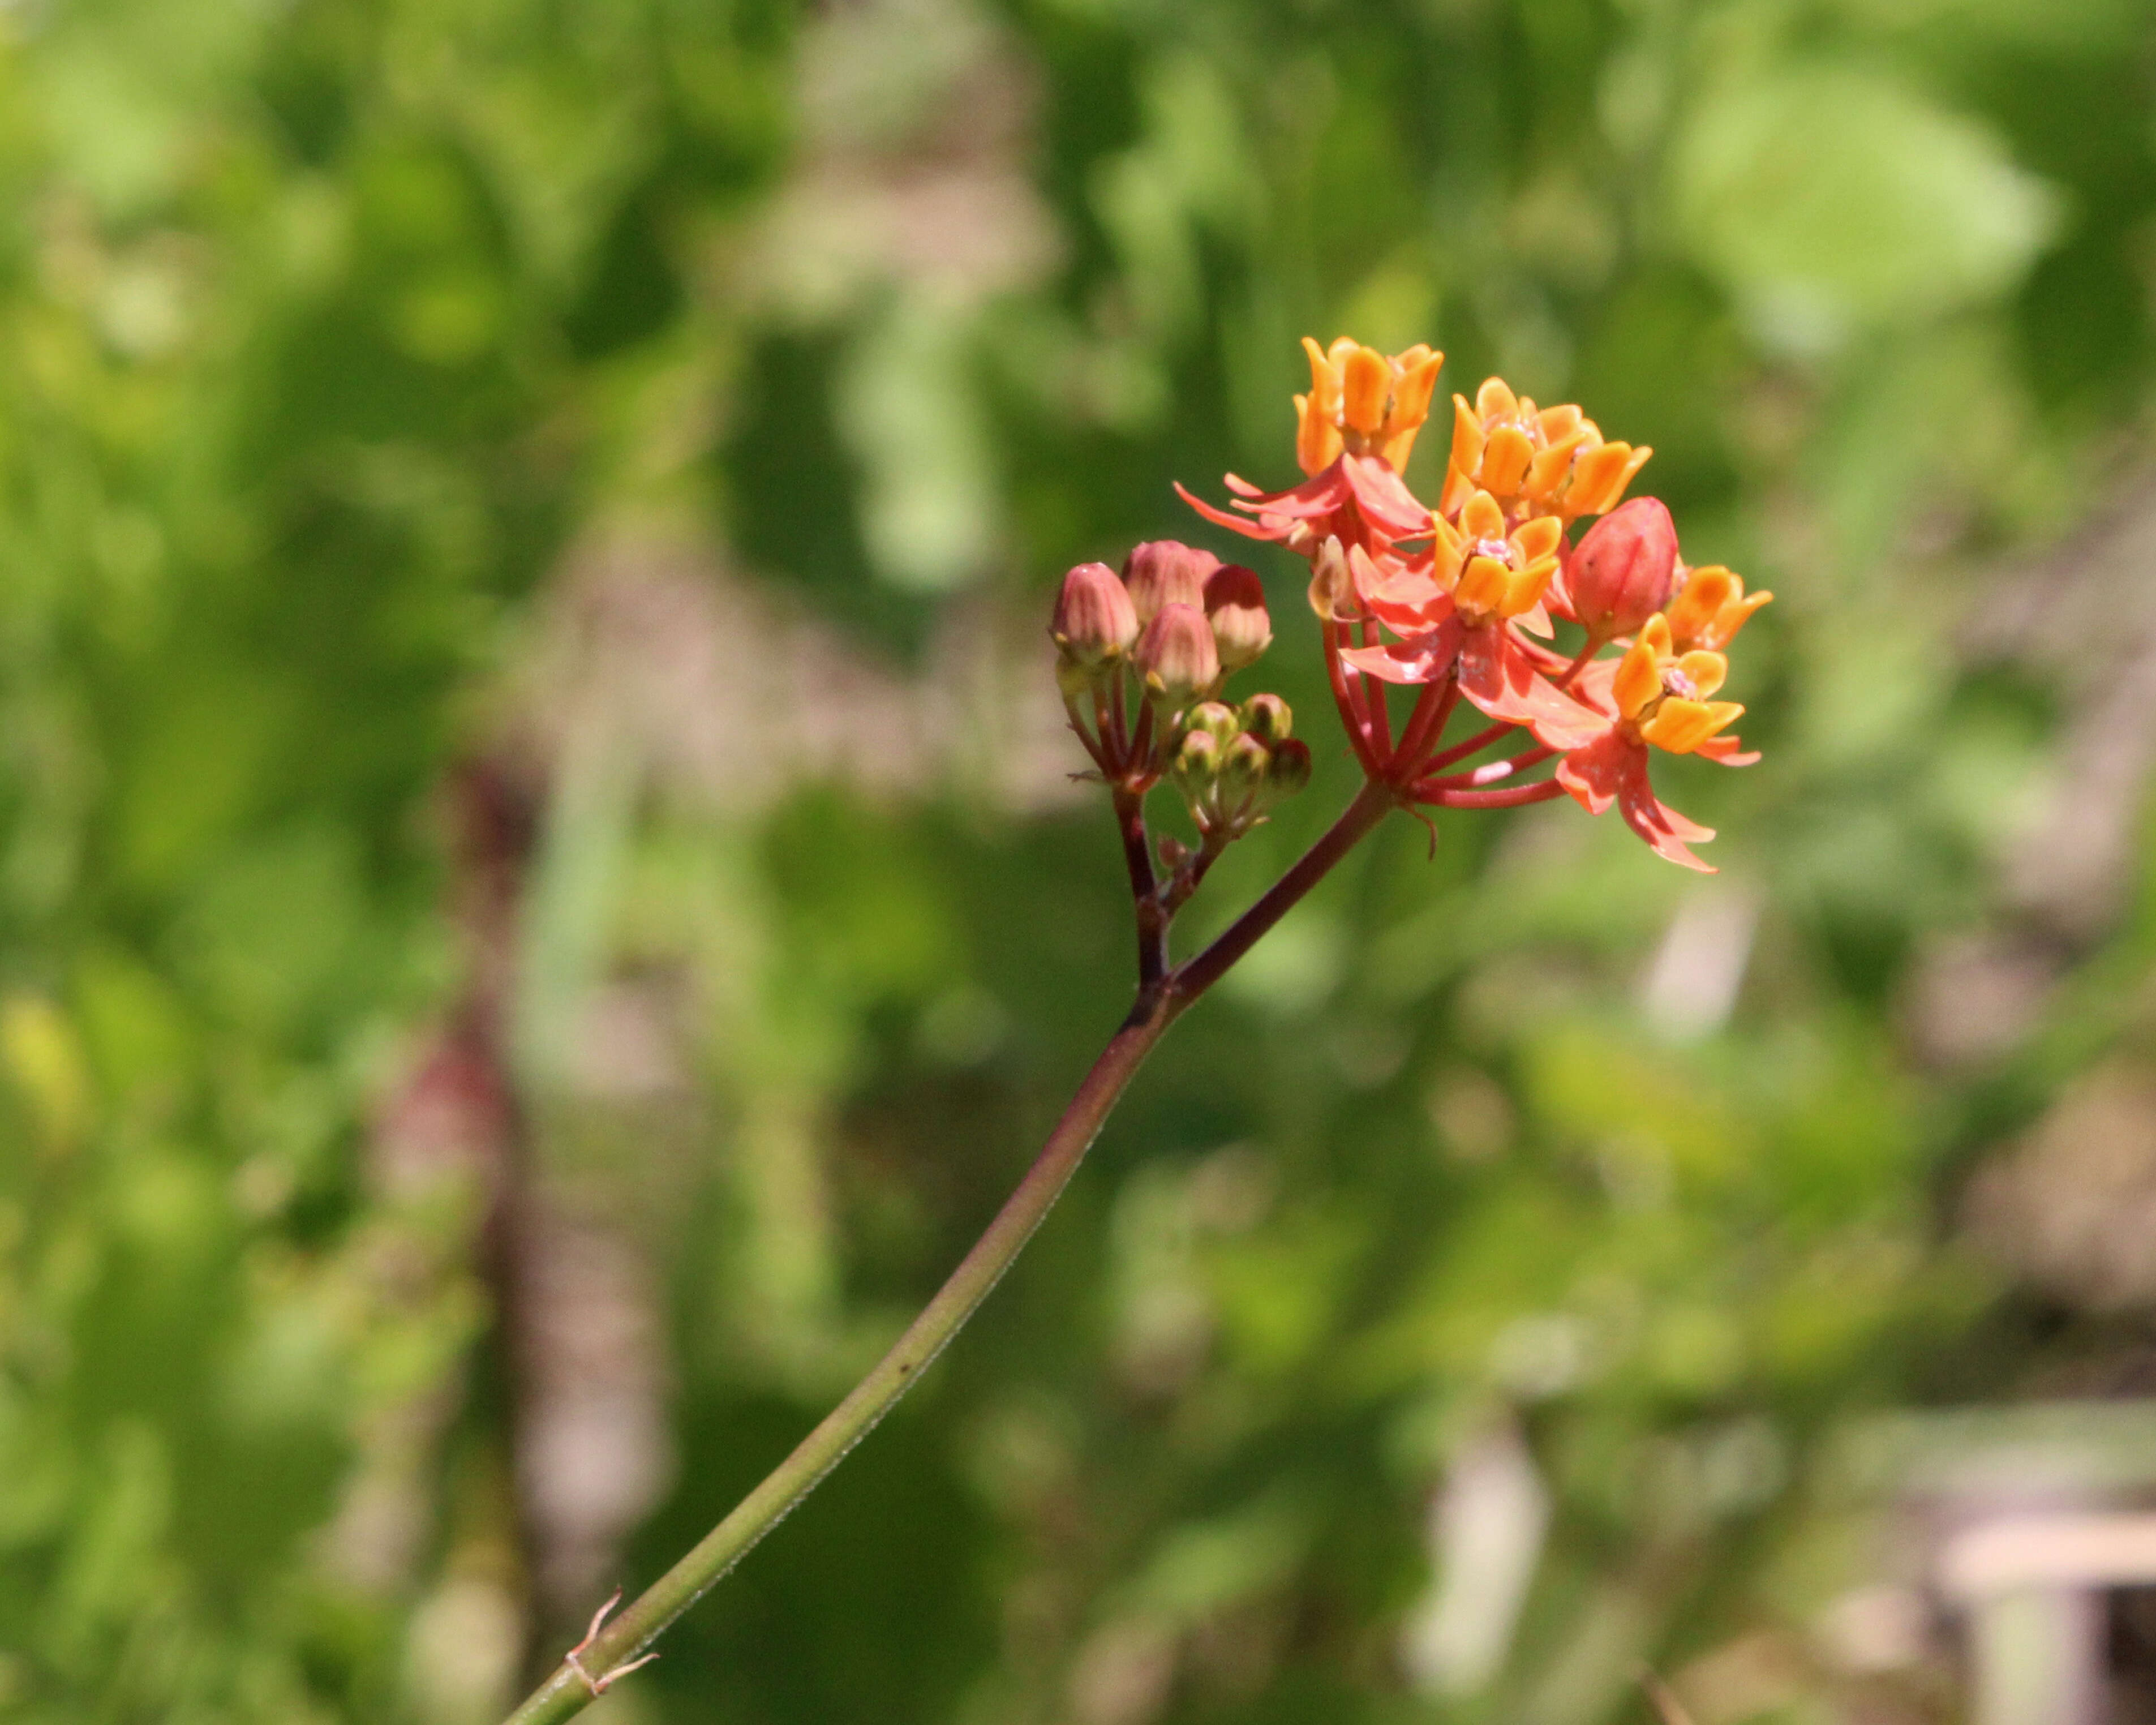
(565, 1693)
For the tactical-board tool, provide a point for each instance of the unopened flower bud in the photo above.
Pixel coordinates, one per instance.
(1166, 571)
(1177, 655)
(1095, 620)
(1243, 765)
(1235, 606)
(1289, 770)
(1267, 718)
(1621, 572)
(1331, 587)
(1197, 764)
(1173, 852)
(1216, 719)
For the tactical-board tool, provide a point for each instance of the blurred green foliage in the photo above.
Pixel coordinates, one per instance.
(350, 352)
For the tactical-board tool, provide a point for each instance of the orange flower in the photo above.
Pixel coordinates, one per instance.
(1536, 461)
(1453, 608)
(1710, 607)
(1655, 697)
(1362, 403)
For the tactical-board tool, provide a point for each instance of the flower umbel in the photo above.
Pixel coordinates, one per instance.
(1463, 601)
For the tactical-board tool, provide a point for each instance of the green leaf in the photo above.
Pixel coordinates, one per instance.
(1828, 196)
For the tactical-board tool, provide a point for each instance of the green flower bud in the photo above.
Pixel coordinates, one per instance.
(1267, 718)
(1216, 719)
(1289, 770)
(1243, 769)
(1197, 764)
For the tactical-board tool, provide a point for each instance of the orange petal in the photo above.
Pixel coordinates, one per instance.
(1656, 637)
(1705, 591)
(1483, 584)
(1538, 538)
(1411, 393)
(1495, 400)
(1482, 518)
(1550, 465)
(1446, 549)
(1639, 680)
(1324, 381)
(1366, 380)
(1592, 476)
(1633, 463)
(1556, 423)
(1466, 436)
(1505, 461)
(1316, 438)
(1524, 591)
(1679, 725)
(1706, 672)
(1730, 615)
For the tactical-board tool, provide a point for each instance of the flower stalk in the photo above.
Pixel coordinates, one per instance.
(1459, 603)
(611, 1648)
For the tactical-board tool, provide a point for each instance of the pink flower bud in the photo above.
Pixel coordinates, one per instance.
(1177, 656)
(1235, 606)
(1621, 572)
(1093, 620)
(1166, 571)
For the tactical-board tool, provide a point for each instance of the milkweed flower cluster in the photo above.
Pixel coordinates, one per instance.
(1462, 601)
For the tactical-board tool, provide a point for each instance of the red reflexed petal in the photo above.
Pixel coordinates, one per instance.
(1240, 524)
(1592, 688)
(1383, 498)
(1668, 833)
(1498, 677)
(1240, 485)
(1727, 751)
(1424, 659)
(1400, 594)
(1323, 495)
(1591, 773)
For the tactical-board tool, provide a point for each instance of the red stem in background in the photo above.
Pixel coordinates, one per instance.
(1373, 698)
(1344, 697)
(1511, 796)
(1433, 712)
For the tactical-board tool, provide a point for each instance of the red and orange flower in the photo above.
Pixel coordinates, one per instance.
(1458, 601)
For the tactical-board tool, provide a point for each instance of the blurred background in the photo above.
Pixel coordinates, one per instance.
(541, 905)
